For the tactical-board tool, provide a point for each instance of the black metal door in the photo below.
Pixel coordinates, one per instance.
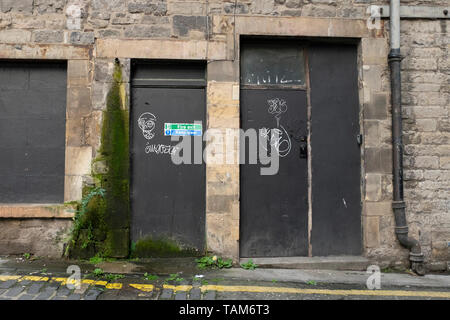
(274, 208)
(167, 200)
(32, 131)
(276, 216)
(335, 148)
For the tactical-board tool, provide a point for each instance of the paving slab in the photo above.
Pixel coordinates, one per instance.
(333, 276)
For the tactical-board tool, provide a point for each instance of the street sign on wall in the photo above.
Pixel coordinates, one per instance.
(182, 129)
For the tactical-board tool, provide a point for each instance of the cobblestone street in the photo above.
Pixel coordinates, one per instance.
(38, 286)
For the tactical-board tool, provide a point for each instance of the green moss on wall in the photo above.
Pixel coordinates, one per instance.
(103, 227)
(161, 247)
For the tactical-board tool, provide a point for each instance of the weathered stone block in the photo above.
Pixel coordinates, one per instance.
(293, 3)
(24, 6)
(182, 25)
(148, 7)
(186, 8)
(46, 36)
(426, 124)
(124, 19)
(420, 112)
(78, 160)
(101, 15)
(215, 232)
(239, 8)
(78, 102)
(372, 75)
(412, 175)
(82, 38)
(75, 132)
(372, 232)
(22, 22)
(49, 6)
(420, 63)
(314, 10)
(78, 73)
(41, 237)
(377, 107)
(219, 203)
(93, 129)
(377, 208)
(437, 266)
(378, 160)
(223, 117)
(444, 162)
(437, 138)
(220, 94)
(371, 133)
(109, 33)
(223, 71)
(262, 6)
(15, 36)
(353, 12)
(148, 19)
(98, 23)
(108, 5)
(373, 187)
(144, 31)
(374, 51)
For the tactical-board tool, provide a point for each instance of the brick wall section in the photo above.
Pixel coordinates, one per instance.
(91, 33)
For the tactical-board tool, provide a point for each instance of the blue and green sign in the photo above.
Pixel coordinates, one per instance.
(182, 129)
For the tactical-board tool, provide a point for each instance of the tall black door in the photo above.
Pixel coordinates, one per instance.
(335, 148)
(274, 208)
(312, 205)
(167, 199)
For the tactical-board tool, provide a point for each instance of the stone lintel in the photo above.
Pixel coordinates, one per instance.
(161, 49)
(304, 26)
(44, 51)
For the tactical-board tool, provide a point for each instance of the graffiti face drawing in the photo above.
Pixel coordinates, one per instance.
(146, 123)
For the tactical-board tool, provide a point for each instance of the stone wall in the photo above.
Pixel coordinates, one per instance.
(426, 104)
(41, 237)
(90, 34)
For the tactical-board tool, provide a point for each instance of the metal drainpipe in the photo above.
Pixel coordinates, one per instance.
(398, 203)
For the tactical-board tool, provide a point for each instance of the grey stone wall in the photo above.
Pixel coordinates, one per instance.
(426, 104)
(41, 237)
(426, 92)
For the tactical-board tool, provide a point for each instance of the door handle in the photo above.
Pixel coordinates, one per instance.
(303, 147)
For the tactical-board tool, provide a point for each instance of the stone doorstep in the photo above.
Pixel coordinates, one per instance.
(351, 263)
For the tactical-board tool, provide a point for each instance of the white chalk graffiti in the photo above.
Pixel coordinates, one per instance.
(279, 137)
(161, 149)
(146, 123)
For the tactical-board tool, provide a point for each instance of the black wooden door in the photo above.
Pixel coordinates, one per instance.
(167, 199)
(336, 166)
(276, 217)
(274, 208)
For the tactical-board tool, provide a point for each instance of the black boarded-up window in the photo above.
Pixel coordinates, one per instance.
(32, 131)
(264, 63)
